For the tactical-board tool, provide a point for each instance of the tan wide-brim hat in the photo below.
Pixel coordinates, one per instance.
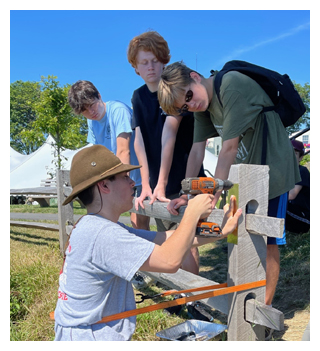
(92, 164)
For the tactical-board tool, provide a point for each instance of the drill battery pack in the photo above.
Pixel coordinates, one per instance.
(208, 229)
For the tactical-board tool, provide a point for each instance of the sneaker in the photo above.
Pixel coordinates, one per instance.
(196, 311)
(141, 280)
(268, 333)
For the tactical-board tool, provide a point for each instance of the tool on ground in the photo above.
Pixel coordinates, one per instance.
(205, 185)
(146, 297)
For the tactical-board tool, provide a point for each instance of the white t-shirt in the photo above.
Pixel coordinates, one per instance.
(101, 259)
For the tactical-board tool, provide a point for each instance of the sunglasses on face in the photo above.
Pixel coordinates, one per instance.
(189, 96)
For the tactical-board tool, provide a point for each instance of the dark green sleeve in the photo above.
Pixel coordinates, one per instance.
(203, 127)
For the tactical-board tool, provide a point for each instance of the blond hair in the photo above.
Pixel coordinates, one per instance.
(148, 41)
(175, 78)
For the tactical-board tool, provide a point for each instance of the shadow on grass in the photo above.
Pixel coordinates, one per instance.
(33, 239)
(214, 261)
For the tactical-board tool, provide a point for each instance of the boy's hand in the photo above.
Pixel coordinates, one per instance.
(144, 194)
(159, 194)
(231, 216)
(175, 204)
(216, 198)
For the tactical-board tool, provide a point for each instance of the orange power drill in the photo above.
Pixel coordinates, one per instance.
(205, 185)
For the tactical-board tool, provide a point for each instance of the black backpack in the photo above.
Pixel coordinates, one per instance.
(287, 101)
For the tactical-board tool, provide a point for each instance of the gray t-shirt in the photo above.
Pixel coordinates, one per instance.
(101, 259)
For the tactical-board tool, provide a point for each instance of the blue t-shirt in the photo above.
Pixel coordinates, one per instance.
(117, 120)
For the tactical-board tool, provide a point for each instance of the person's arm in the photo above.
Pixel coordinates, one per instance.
(90, 136)
(169, 256)
(144, 170)
(293, 193)
(226, 158)
(123, 147)
(172, 246)
(168, 140)
(195, 161)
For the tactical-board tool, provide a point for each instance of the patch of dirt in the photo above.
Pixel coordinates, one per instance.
(294, 326)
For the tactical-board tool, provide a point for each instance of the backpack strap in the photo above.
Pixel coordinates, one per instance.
(264, 141)
(217, 84)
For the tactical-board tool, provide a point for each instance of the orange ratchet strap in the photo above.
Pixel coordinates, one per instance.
(223, 289)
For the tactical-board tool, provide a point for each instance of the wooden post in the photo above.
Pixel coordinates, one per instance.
(247, 259)
(65, 213)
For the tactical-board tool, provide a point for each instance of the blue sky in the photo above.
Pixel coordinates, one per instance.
(91, 45)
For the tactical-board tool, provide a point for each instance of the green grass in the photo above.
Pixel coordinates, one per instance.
(51, 209)
(293, 290)
(35, 263)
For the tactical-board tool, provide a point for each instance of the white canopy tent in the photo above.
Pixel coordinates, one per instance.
(16, 159)
(27, 171)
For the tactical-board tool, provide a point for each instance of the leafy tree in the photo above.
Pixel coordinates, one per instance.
(55, 117)
(304, 121)
(23, 96)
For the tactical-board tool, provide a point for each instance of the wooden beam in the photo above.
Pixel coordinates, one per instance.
(254, 223)
(43, 190)
(263, 225)
(185, 280)
(37, 225)
(262, 314)
(65, 213)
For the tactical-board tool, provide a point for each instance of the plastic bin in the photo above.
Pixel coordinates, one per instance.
(192, 330)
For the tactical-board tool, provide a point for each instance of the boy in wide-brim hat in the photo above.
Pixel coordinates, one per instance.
(103, 255)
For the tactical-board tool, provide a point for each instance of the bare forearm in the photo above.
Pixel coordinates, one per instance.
(171, 248)
(142, 158)
(195, 159)
(166, 161)
(124, 156)
(123, 147)
(293, 193)
(168, 141)
(226, 158)
(175, 244)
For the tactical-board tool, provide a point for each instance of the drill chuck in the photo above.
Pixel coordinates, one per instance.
(224, 184)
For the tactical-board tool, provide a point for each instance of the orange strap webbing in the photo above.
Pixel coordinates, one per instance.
(223, 289)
